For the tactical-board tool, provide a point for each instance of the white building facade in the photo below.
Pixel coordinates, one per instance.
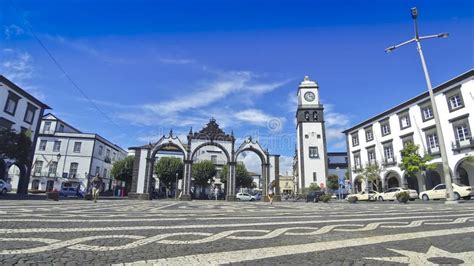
(311, 153)
(381, 138)
(64, 156)
(22, 112)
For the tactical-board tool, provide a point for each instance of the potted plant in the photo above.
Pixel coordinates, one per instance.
(53, 195)
(403, 197)
(352, 199)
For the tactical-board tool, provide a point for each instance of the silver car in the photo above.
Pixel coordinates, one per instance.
(5, 187)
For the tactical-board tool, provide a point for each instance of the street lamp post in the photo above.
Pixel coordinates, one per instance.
(439, 132)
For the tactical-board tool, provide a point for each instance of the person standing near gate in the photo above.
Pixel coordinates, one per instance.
(270, 195)
(216, 192)
(96, 184)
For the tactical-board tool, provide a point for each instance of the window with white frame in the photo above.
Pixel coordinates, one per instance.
(427, 113)
(47, 127)
(38, 168)
(53, 166)
(73, 170)
(105, 173)
(455, 102)
(42, 146)
(313, 152)
(388, 151)
(97, 170)
(357, 160)
(385, 127)
(107, 153)
(371, 155)
(369, 134)
(432, 140)
(101, 150)
(57, 145)
(77, 146)
(462, 132)
(355, 140)
(404, 121)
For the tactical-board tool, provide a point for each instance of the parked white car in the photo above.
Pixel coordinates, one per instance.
(363, 195)
(391, 193)
(245, 197)
(439, 192)
(5, 187)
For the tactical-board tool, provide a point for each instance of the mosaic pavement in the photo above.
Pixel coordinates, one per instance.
(208, 232)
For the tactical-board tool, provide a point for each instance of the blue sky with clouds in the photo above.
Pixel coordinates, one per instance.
(155, 65)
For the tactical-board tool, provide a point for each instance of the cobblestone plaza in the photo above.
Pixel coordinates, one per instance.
(218, 232)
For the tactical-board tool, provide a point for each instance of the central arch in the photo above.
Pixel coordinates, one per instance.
(253, 146)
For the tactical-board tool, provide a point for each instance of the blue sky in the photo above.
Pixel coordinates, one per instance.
(155, 65)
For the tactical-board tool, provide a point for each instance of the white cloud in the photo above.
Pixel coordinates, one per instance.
(175, 61)
(335, 124)
(17, 65)
(259, 118)
(82, 46)
(12, 30)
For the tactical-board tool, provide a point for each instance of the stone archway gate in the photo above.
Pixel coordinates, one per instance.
(211, 135)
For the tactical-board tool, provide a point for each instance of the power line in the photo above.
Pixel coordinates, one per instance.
(68, 77)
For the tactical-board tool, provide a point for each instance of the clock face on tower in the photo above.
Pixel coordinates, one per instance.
(309, 96)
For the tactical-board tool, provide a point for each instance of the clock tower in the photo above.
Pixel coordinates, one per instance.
(311, 138)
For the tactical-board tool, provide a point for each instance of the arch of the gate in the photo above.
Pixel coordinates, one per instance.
(144, 165)
(254, 146)
(227, 148)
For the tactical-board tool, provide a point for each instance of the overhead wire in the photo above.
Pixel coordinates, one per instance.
(63, 71)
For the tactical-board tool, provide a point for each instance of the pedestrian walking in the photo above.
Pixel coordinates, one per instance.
(96, 184)
(216, 192)
(270, 195)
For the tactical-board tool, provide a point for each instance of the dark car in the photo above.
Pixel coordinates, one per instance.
(314, 196)
(71, 192)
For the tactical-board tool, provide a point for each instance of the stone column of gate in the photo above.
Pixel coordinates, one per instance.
(231, 182)
(277, 196)
(148, 191)
(266, 180)
(186, 194)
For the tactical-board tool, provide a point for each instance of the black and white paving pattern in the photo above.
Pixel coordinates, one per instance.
(218, 232)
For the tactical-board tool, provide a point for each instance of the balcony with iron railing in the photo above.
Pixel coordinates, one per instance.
(433, 151)
(458, 145)
(389, 161)
(357, 168)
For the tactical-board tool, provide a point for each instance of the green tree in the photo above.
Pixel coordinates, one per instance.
(413, 163)
(17, 147)
(313, 187)
(372, 175)
(243, 178)
(166, 169)
(203, 172)
(122, 170)
(333, 182)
